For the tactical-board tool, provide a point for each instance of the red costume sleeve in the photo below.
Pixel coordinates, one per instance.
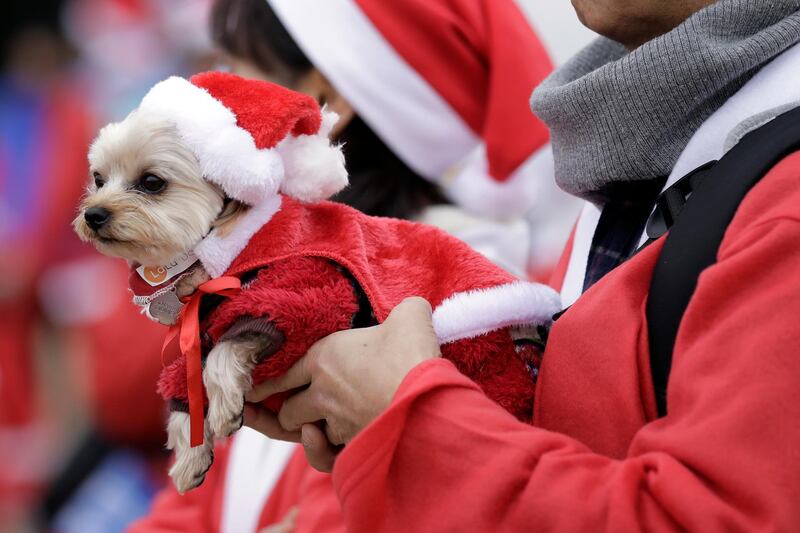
(444, 457)
(305, 298)
(319, 508)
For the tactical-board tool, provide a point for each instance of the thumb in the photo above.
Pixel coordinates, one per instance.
(412, 320)
(258, 418)
(319, 452)
(414, 308)
(412, 314)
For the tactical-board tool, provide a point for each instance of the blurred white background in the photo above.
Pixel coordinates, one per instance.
(557, 25)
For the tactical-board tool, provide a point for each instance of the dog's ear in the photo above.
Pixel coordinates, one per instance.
(231, 213)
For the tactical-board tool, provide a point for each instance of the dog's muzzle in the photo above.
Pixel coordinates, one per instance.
(97, 217)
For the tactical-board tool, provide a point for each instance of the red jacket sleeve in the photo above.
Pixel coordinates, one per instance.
(319, 509)
(310, 492)
(444, 457)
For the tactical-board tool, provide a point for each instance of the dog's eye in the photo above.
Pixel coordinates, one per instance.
(98, 180)
(152, 184)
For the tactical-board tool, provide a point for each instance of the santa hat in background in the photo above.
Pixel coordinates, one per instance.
(444, 84)
(253, 138)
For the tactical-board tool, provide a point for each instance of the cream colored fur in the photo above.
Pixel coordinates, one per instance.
(147, 229)
(191, 464)
(227, 377)
(151, 229)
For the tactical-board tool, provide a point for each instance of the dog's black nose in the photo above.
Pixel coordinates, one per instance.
(96, 217)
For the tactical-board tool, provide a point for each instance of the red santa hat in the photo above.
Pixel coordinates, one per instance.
(444, 83)
(252, 138)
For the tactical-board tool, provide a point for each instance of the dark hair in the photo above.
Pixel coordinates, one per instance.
(250, 30)
(380, 183)
(20, 18)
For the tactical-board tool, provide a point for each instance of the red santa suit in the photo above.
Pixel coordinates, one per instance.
(595, 455)
(302, 260)
(304, 266)
(480, 143)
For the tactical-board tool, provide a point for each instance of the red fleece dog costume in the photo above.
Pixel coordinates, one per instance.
(310, 269)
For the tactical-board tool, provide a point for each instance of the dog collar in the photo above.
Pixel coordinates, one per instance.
(153, 288)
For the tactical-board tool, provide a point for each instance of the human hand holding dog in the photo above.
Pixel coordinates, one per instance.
(351, 376)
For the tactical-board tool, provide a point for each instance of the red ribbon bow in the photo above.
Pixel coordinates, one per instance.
(187, 330)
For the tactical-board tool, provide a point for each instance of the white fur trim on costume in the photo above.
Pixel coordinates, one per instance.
(468, 314)
(314, 168)
(217, 253)
(226, 152)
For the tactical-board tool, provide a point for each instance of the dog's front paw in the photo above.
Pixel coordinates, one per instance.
(225, 413)
(191, 466)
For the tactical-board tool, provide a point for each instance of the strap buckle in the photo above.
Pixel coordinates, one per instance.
(671, 202)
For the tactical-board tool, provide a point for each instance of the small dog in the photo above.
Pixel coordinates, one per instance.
(147, 203)
(183, 175)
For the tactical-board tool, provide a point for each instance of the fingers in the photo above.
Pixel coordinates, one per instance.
(267, 423)
(298, 375)
(301, 408)
(334, 437)
(319, 452)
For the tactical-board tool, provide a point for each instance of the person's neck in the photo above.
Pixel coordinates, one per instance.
(673, 15)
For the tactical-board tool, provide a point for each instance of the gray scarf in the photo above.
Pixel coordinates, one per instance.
(616, 116)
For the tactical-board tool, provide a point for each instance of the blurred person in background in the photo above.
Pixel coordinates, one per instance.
(126, 46)
(119, 461)
(42, 172)
(432, 98)
(81, 426)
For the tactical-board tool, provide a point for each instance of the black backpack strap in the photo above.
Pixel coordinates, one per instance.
(706, 202)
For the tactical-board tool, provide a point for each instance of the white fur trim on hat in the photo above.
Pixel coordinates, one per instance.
(406, 112)
(226, 152)
(468, 314)
(314, 168)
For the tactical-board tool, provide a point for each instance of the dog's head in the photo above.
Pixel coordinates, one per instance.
(147, 201)
(161, 178)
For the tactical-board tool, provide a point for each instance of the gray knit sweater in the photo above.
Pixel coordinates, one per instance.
(617, 116)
